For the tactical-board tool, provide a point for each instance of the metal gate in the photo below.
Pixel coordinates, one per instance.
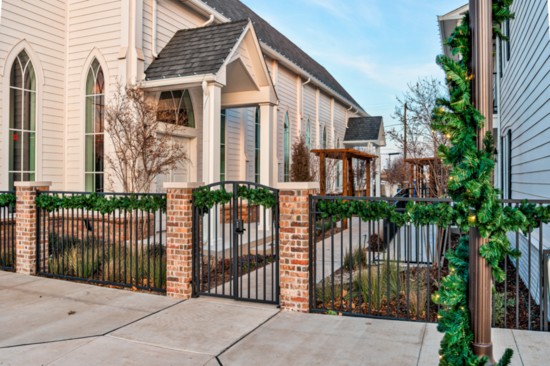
(236, 241)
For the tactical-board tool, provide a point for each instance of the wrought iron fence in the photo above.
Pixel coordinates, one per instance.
(378, 269)
(123, 248)
(7, 235)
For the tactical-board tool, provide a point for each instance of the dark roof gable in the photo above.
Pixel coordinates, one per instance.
(196, 51)
(235, 10)
(363, 129)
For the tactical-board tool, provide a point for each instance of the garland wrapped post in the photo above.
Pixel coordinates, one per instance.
(471, 188)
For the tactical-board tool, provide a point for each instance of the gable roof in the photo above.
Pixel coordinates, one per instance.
(236, 10)
(363, 129)
(196, 51)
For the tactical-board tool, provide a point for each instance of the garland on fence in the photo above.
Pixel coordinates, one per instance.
(7, 199)
(204, 198)
(101, 204)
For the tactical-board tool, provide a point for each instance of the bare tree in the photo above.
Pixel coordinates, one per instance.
(143, 147)
(396, 173)
(422, 141)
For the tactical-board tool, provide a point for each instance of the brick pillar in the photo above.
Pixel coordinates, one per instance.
(294, 244)
(25, 225)
(179, 239)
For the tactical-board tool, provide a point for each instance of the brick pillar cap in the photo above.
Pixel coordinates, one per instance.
(182, 185)
(32, 184)
(290, 186)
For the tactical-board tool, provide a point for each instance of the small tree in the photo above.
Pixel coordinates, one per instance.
(301, 170)
(143, 147)
(396, 172)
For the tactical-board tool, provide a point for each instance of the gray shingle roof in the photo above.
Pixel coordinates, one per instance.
(196, 51)
(235, 10)
(363, 129)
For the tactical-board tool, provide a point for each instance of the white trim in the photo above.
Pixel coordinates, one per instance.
(20, 46)
(182, 185)
(291, 186)
(184, 82)
(32, 184)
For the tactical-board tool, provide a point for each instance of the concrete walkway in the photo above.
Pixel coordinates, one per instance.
(53, 322)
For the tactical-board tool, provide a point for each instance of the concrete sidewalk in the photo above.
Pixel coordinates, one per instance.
(53, 322)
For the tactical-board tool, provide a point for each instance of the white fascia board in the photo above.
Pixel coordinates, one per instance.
(171, 83)
(306, 75)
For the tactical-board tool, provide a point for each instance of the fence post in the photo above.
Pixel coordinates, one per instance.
(25, 225)
(179, 239)
(294, 234)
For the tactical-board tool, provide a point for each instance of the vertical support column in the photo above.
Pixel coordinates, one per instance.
(480, 272)
(179, 239)
(368, 192)
(378, 183)
(322, 173)
(268, 151)
(26, 244)
(294, 249)
(212, 98)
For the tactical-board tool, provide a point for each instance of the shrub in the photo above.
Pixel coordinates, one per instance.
(300, 171)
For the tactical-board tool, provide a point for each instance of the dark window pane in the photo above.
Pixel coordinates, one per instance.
(99, 153)
(16, 139)
(99, 182)
(30, 78)
(99, 109)
(16, 105)
(16, 77)
(90, 83)
(89, 114)
(100, 82)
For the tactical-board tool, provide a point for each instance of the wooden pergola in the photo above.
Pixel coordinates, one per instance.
(346, 155)
(417, 172)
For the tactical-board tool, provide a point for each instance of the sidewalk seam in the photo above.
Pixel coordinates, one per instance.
(246, 335)
(517, 346)
(421, 344)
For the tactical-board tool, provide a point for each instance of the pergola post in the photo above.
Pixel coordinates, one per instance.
(345, 178)
(323, 174)
(480, 271)
(368, 183)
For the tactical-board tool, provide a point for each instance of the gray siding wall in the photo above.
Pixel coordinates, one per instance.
(525, 110)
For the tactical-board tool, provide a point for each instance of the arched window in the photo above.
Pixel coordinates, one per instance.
(222, 145)
(22, 124)
(308, 134)
(95, 115)
(257, 146)
(324, 137)
(286, 149)
(175, 107)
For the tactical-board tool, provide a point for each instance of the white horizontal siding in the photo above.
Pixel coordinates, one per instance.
(41, 24)
(91, 26)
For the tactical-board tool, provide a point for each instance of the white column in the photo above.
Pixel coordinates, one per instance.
(268, 145)
(378, 171)
(212, 97)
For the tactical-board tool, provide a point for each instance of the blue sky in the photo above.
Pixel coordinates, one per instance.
(372, 47)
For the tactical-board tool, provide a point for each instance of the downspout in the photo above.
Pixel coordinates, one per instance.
(209, 21)
(154, 29)
(302, 97)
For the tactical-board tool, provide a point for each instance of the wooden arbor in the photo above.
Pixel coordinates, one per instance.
(416, 172)
(346, 155)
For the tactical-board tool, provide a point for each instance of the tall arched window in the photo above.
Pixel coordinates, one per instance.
(324, 137)
(22, 124)
(286, 149)
(95, 114)
(175, 107)
(257, 146)
(308, 134)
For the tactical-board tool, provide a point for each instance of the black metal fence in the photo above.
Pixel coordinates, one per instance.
(7, 235)
(236, 247)
(125, 248)
(377, 269)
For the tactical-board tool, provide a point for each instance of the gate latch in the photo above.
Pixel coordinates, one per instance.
(239, 229)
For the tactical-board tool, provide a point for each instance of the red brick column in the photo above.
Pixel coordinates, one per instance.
(25, 225)
(294, 244)
(179, 239)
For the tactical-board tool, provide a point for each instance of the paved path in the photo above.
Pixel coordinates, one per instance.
(53, 322)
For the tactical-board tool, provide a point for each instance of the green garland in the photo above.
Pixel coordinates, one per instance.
(204, 198)
(101, 204)
(7, 199)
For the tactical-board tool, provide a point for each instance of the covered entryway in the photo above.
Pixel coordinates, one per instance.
(236, 241)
